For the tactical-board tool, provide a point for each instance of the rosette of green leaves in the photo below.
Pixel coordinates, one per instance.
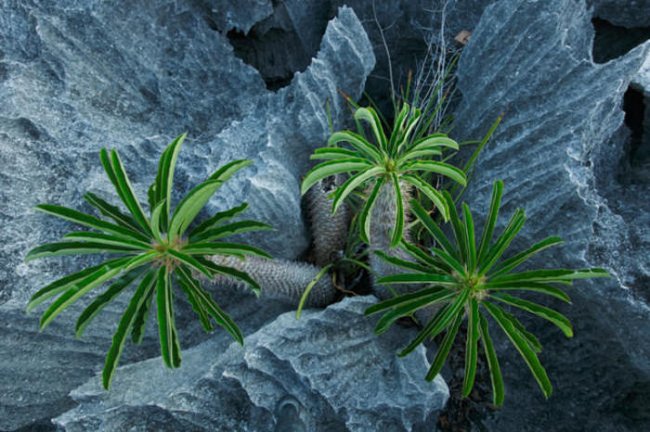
(150, 252)
(467, 278)
(399, 158)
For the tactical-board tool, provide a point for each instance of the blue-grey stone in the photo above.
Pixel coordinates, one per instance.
(324, 372)
(77, 76)
(561, 152)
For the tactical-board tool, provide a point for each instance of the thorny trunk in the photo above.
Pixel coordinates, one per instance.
(383, 216)
(382, 221)
(287, 280)
(282, 279)
(329, 231)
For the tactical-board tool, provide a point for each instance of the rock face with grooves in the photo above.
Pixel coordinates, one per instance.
(314, 374)
(560, 150)
(78, 76)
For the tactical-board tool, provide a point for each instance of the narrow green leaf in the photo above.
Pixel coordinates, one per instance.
(81, 287)
(125, 191)
(190, 206)
(60, 285)
(469, 165)
(438, 323)
(141, 316)
(190, 261)
(409, 308)
(218, 218)
(75, 248)
(156, 220)
(359, 143)
(458, 228)
(353, 183)
(102, 300)
(398, 125)
(524, 349)
(109, 239)
(366, 211)
(425, 278)
(141, 260)
(444, 348)
(408, 265)
(214, 310)
(223, 248)
(330, 168)
(105, 159)
(441, 168)
(165, 316)
(230, 229)
(433, 262)
(332, 153)
(470, 241)
(229, 169)
(123, 328)
(310, 286)
(528, 286)
(548, 314)
(551, 275)
(435, 140)
(515, 225)
(471, 349)
(404, 138)
(498, 389)
(231, 272)
(436, 197)
(89, 221)
(422, 154)
(398, 228)
(403, 299)
(450, 261)
(514, 262)
(491, 220)
(165, 180)
(432, 227)
(197, 305)
(113, 212)
(369, 115)
(530, 338)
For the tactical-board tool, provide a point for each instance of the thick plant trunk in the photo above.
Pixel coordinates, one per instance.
(383, 216)
(329, 231)
(287, 280)
(382, 221)
(281, 279)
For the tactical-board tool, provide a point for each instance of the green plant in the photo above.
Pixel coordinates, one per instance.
(393, 160)
(467, 277)
(152, 252)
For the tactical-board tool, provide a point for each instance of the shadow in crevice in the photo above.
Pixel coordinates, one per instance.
(279, 46)
(636, 162)
(612, 41)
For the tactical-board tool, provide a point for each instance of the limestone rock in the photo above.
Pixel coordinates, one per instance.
(324, 372)
(560, 151)
(78, 76)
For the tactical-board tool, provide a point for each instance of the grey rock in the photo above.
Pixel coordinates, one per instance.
(312, 374)
(632, 13)
(77, 76)
(560, 150)
(640, 163)
(38, 370)
(238, 14)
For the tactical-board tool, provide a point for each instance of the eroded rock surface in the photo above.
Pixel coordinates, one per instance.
(324, 372)
(78, 76)
(560, 150)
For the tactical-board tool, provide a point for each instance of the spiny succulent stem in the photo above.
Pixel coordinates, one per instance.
(281, 279)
